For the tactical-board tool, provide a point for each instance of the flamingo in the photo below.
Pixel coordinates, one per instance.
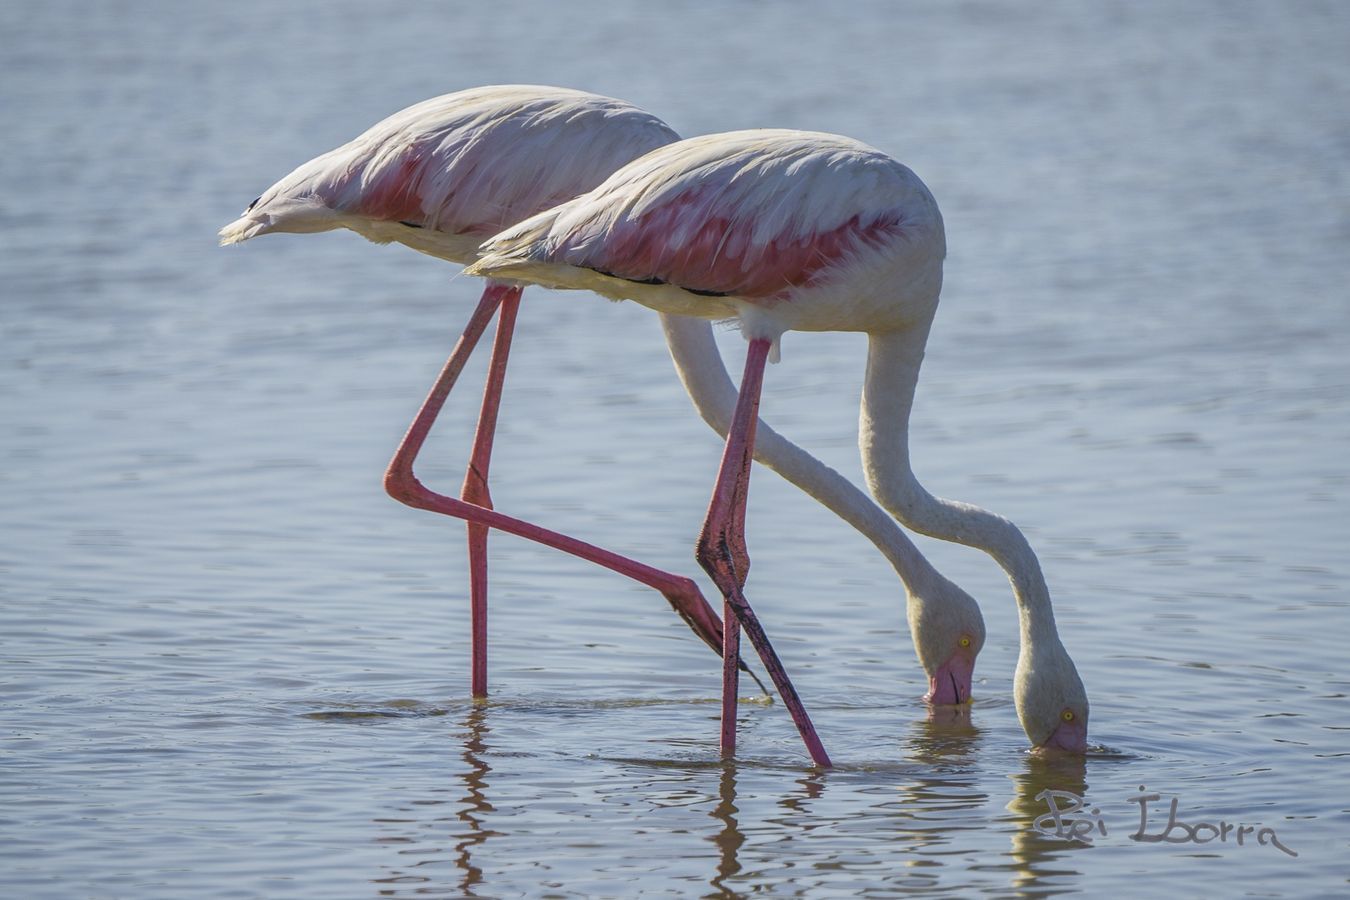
(783, 231)
(439, 177)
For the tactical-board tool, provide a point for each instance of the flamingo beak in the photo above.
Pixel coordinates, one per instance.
(1070, 737)
(950, 684)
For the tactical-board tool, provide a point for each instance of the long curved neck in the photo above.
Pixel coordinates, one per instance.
(699, 364)
(893, 362)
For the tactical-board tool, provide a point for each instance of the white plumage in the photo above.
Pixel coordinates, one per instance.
(442, 175)
(745, 225)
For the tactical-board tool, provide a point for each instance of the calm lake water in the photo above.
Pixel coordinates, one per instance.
(232, 667)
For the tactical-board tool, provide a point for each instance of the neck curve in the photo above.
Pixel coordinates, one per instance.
(893, 362)
(699, 364)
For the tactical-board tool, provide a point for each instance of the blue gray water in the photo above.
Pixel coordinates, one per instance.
(233, 668)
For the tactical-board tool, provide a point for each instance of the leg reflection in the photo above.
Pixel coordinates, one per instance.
(1041, 855)
(730, 838)
(476, 807)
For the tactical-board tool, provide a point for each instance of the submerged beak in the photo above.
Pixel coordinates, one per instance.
(1070, 737)
(950, 684)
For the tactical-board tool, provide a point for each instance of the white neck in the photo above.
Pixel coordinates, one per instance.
(893, 362)
(699, 363)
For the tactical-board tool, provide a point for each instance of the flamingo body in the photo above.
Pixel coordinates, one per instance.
(784, 230)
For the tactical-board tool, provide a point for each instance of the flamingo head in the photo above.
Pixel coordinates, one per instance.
(269, 213)
(948, 632)
(1051, 702)
(306, 201)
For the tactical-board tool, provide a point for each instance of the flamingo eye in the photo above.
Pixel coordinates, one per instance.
(964, 642)
(1067, 715)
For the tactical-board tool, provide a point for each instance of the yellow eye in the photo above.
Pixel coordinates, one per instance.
(964, 642)
(1067, 715)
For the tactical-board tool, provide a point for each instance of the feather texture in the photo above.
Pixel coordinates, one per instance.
(443, 174)
(750, 213)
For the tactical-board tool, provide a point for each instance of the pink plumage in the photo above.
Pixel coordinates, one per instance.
(443, 174)
(755, 217)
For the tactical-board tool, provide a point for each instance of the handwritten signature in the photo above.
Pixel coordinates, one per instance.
(1067, 819)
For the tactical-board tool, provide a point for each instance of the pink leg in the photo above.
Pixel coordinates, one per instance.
(723, 541)
(731, 662)
(731, 626)
(401, 484)
(476, 491)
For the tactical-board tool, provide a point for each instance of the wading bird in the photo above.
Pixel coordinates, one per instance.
(440, 176)
(789, 230)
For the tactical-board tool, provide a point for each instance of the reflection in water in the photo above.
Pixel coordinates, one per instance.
(424, 825)
(1037, 856)
(947, 735)
(730, 838)
(476, 805)
(936, 801)
(813, 785)
(797, 823)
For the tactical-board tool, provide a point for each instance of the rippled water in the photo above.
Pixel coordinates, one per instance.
(233, 667)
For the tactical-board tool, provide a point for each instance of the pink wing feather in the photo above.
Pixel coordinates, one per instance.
(750, 214)
(477, 161)
(469, 163)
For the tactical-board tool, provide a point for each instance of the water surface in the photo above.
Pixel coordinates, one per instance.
(233, 667)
